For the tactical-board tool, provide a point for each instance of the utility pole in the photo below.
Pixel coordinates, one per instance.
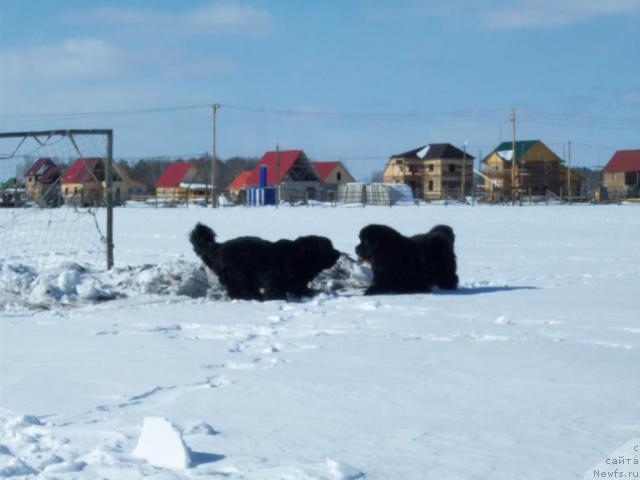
(569, 173)
(214, 200)
(473, 192)
(513, 158)
(109, 191)
(464, 171)
(277, 175)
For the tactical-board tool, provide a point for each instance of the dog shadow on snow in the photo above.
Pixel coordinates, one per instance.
(482, 290)
(202, 458)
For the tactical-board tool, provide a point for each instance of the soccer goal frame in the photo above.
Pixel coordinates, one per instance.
(108, 160)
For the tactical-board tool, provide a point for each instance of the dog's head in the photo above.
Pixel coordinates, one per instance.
(444, 231)
(374, 241)
(202, 235)
(311, 254)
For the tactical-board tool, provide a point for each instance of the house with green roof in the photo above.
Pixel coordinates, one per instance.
(11, 193)
(534, 170)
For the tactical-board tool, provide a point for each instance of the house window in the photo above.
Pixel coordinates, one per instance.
(452, 167)
(430, 167)
(339, 176)
(495, 168)
(311, 193)
(631, 178)
(66, 190)
(430, 186)
(547, 167)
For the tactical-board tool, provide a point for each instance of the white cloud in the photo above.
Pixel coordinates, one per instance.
(553, 13)
(75, 57)
(512, 14)
(209, 19)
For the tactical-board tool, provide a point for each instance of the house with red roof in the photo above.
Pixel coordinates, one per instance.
(291, 172)
(84, 183)
(333, 174)
(621, 174)
(284, 166)
(42, 182)
(182, 182)
(237, 189)
(298, 178)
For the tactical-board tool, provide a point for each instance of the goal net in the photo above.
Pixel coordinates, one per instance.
(56, 195)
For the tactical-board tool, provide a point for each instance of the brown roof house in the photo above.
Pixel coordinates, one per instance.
(42, 182)
(438, 171)
(536, 171)
(134, 187)
(622, 174)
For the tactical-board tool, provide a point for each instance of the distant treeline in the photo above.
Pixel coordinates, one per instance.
(149, 170)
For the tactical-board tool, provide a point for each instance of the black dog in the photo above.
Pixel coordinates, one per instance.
(408, 264)
(252, 268)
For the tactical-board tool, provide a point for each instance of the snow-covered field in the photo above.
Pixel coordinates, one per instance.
(526, 372)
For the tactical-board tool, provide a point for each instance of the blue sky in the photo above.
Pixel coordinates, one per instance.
(351, 80)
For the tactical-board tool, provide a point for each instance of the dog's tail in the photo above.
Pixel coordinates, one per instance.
(204, 244)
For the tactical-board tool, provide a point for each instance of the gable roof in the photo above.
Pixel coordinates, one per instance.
(433, 151)
(80, 170)
(624, 161)
(44, 169)
(286, 160)
(240, 181)
(174, 174)
(505, 149)
(324, 169)
(10, 183)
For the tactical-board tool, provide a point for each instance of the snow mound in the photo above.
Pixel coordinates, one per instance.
(28, 448)
(63, 283)
(345, 276)
(173, 278)
(343, 471)
(161, 444)
(43, 285)
(47, 285)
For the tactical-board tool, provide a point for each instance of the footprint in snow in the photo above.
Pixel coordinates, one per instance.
(198, 428)
(503, 320)
(369, 306)
(276, 319)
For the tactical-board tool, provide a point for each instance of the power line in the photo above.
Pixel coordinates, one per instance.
(37, 116)
(581, 117)
(471, 114)
(527, 115)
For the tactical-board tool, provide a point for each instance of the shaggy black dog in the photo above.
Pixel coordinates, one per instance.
(252, 268)
(408, 264)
